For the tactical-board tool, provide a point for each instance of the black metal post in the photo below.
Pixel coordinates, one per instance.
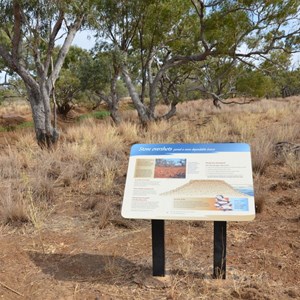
(220, 249)
(158, 247)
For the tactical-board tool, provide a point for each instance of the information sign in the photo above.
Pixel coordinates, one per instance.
(189, 182)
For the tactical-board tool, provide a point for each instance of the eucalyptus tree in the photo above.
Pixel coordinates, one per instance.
(116, 25)
(140, 33)
(239, 31)
(99, 75)
(170, 34)
(29, 30)
(215, 78)
(68, 87)
(280, 69)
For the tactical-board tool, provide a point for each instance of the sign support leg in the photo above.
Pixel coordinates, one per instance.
(158, 247)
(220, 249)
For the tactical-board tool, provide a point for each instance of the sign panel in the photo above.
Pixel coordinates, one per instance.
(189, 182)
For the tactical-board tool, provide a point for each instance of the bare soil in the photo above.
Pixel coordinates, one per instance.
(70, 257)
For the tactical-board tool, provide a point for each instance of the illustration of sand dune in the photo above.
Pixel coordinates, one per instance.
(207, 188)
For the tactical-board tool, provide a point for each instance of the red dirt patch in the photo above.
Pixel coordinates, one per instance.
(169, 172)
(14, 119)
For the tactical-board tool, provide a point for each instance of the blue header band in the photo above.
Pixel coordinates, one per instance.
(170, 149)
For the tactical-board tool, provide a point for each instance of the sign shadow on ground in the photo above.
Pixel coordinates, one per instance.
(108, 269)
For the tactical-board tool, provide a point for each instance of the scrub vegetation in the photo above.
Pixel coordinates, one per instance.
(62, 235)
(172, 71)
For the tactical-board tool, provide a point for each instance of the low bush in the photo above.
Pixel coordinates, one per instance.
(96, 115)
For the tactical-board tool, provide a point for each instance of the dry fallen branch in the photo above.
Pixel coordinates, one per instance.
(11, 289)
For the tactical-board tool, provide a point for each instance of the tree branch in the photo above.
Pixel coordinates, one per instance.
(52, 38)
(17, 28)
(64, 50)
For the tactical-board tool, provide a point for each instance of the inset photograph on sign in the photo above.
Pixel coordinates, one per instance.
(170, 168)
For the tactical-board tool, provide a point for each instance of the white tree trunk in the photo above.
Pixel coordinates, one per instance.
(46, 135)
(140, 107)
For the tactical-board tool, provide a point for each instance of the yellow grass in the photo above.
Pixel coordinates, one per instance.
(16, 107)
(98, 151)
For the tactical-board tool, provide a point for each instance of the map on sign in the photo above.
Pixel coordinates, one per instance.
(189, 182)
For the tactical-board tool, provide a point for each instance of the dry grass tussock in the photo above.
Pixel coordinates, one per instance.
(13, 208)
(292, 166)
(16, 107)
